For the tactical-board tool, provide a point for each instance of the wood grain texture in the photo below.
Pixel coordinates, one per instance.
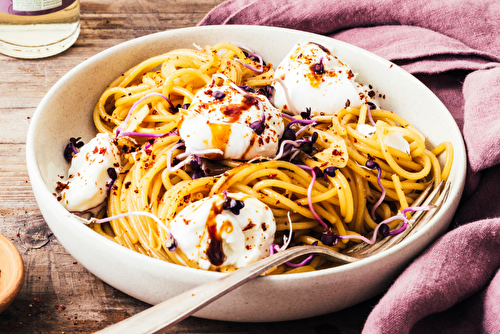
(59, 295)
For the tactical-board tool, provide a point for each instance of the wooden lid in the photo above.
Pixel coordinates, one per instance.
(11, 272)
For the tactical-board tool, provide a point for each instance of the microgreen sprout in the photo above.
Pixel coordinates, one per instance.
(289, 102)
(383, 228)
(120, 133)
(276, 249)
(198, 171)
(145, 97)
(319, 68)
(259, 126)
(120, 130)
(371, 164)
(72, 148)
(289, 144)
(197, 168)
(232, 204)
(371, 105)
(219, 95)
(329, 171)
(252, 56)
(171, 169)
(113, 176)
(306, 114)
(170, 243)
(328, 238)
(309, 192)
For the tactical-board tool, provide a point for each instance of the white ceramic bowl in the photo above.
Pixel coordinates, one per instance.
(66, 112)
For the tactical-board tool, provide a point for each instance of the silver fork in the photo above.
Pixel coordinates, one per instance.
(419, 218)
(170, 312)
(174, 310)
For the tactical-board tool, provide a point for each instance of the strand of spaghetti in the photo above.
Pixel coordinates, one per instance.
(357, 147)
(403, 204)
(195, 73)
(142, 99)
(243, 188)
(316, 197)
(311, 206)
(445, 146)
(390, 160)
(343, 186)
(182, 191)
(272, 173)
(114, 208)
(357, 223)
(382, 195)
(436, 168)
(380, 113)
(363, 110)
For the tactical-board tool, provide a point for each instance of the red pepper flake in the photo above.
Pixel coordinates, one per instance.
(61, 186)
(350, 75)
(272, 176)
(60, 308)
(249, 226)
(336, 152)
(37, 299)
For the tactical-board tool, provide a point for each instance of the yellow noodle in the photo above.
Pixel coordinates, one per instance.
(343, 201)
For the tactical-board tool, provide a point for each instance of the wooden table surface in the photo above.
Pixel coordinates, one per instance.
(59, 295)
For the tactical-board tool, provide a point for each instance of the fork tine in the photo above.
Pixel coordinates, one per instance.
(442, 197)
(360, 248)
(417, 220)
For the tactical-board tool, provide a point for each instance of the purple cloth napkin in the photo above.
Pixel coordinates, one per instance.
(453, 46)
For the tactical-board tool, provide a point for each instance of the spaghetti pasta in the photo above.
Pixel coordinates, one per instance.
(328, 176)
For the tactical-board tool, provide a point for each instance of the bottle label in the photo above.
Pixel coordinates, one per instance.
(33, 7)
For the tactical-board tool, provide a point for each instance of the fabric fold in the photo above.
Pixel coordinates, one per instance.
(462, 263)
(453, 47)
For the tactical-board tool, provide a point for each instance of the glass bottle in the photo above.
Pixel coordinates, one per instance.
(38, 28)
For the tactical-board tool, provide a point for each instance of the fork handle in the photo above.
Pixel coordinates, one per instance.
(174, 310)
